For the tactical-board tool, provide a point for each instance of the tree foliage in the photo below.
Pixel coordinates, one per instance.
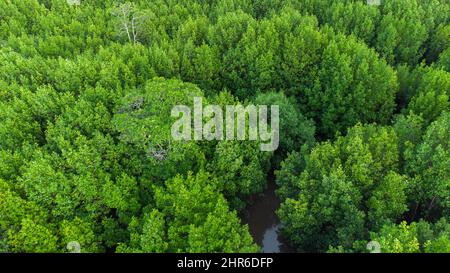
(87, 156)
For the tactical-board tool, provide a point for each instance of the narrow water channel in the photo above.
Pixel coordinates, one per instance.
(263, 222)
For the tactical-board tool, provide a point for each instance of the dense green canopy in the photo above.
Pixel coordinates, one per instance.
(86, 152)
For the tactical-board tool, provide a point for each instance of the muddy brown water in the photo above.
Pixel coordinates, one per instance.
(263, 223)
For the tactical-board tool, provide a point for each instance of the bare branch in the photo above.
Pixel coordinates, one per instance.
(129, 21)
